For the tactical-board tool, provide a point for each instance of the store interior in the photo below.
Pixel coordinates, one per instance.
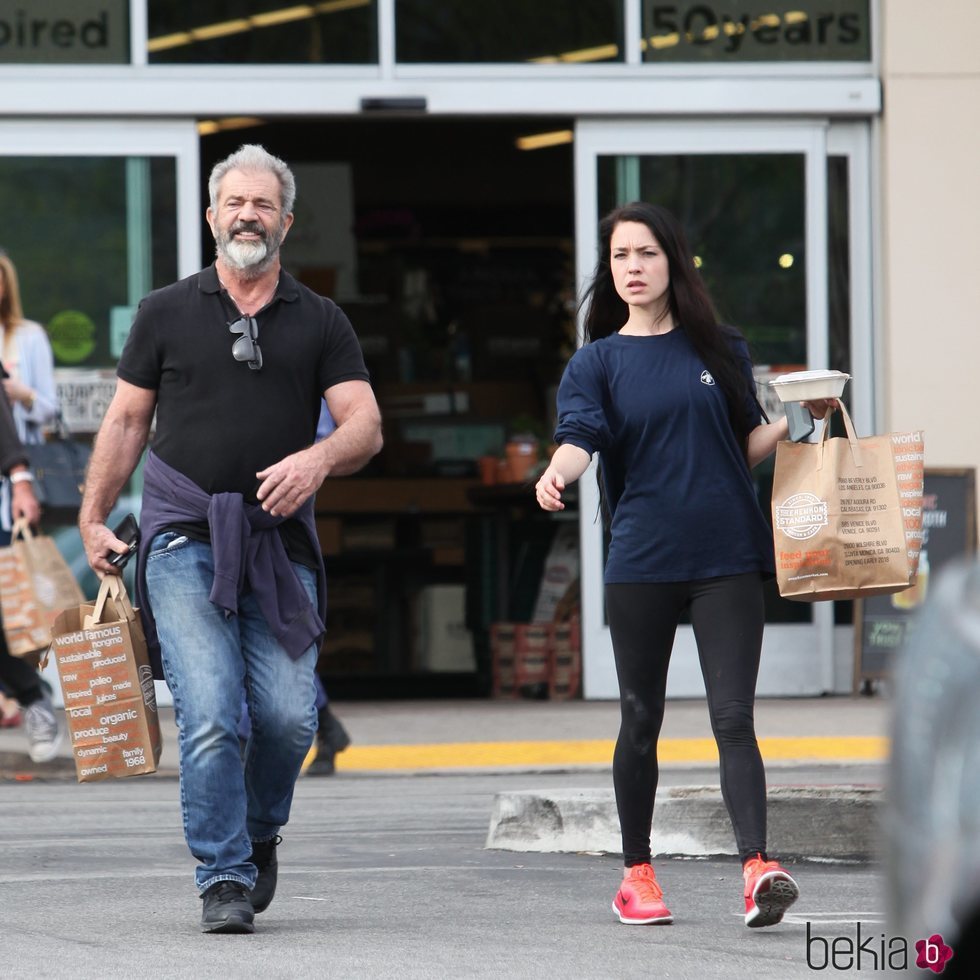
(450, 248)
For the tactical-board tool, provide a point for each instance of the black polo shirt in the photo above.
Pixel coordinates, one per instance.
(219, 422)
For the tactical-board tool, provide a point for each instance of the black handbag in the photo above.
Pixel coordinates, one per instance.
(58, 466)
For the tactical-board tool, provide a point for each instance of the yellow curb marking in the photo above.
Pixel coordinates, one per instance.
(599, 752)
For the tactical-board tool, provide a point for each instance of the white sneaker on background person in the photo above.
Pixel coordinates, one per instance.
(41, 727)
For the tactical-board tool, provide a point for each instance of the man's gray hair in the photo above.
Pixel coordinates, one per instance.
(252, 157)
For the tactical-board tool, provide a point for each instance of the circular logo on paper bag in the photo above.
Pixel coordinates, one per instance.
(801, 516)
(72, 335)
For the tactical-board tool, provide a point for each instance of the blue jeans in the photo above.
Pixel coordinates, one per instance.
(209, 659)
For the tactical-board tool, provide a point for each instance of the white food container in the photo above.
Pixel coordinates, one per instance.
(802, 386)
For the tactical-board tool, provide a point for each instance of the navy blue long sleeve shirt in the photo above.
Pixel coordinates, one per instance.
(682, 498)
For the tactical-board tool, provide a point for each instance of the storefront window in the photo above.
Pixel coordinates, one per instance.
(545, 31)
(738, 31)
(64, 32)
(89, 237)
(332, 32)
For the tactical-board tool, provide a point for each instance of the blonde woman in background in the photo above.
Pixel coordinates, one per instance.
(25, 353)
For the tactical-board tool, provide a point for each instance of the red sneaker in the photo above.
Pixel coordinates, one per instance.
(769, 892)
(640, 901)
(9, 712)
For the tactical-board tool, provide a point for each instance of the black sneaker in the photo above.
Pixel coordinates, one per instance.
(323, 764)
(331, 738)
(264, 858)
(331, 734)
(227, 908)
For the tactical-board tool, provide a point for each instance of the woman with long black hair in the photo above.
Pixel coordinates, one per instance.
(665, 395)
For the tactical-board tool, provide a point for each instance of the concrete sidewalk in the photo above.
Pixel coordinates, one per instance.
(824, 759)
(434, 736)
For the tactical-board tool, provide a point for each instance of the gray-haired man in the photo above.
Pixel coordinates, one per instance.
(234, 361)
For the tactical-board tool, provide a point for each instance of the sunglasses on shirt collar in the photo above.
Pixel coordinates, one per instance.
(246, 347)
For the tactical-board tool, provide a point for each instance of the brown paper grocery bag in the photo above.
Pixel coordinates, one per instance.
(105, 673)
(35, 585)
(847, 514)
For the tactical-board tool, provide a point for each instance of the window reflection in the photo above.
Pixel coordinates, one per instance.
(729, 33)
(262, 32)
(545, 31)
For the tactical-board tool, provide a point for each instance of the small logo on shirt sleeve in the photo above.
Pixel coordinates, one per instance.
(706, 378)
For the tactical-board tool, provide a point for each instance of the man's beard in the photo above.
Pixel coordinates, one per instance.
(249, 258)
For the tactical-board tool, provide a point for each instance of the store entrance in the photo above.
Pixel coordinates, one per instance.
(449, 244)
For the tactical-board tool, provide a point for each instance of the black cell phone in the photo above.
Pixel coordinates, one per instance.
(800, 421)
(129, 532)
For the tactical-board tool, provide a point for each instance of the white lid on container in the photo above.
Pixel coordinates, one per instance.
(799, 386)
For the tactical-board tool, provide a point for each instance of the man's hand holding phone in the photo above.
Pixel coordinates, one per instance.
(128, 532)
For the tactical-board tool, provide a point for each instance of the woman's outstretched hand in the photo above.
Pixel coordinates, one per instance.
(549, 488)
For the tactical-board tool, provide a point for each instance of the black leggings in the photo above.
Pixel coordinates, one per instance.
(727, 615)
(18, 677)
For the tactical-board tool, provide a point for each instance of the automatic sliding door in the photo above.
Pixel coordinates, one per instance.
(753, 202)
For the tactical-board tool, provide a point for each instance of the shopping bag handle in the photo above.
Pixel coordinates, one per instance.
(95, 618)
(21, 529)
(120, 596)
(851, 437)
(111, 587)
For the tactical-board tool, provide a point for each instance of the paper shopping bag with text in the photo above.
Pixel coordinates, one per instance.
(107, 681)
(35, 585)
(841, 527)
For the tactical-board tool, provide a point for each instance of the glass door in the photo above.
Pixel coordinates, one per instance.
(96, 214)
(753, 198)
